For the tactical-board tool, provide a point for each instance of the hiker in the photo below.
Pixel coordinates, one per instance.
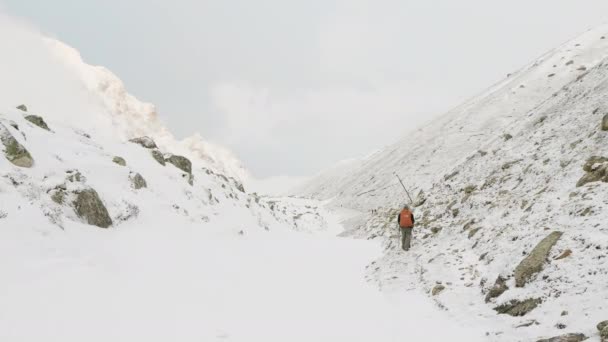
(406, 223)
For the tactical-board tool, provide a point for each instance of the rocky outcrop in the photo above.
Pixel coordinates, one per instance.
(596, 169)
(145, 142)
(605, 123)
(120, 161)
(518, 307)
(500, 286)
(602, 327)
(158, 156)
(89, 207)
(13, 150)
(38, 121)
(22, 108)
(180, 162)
(183, 164)
(137, 181)
(565, 338)
(535, 261)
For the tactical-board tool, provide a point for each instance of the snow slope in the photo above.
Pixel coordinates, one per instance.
(497, 175)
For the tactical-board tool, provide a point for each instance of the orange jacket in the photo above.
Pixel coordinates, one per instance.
(405, 219)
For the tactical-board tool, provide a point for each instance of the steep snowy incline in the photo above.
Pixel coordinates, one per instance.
(517, 233)
(428, 154)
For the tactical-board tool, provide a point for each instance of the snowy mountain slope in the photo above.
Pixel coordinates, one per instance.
(426, 154)
(500, 174)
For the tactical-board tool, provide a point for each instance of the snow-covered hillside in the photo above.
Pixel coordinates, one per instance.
(492, 179)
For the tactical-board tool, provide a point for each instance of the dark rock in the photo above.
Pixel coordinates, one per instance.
(38, 121)
(605, 123)
(89, 206)
(535, 261)
(180, 162)
(597, 170)
(22, 108)
(120, 161)
(518, 308)
(13, 150)
(158, 156)
(473, 231)
(593, 163)
(138, 182)
(500, 286)
(437, 290)
(146, 142)
(565, 338)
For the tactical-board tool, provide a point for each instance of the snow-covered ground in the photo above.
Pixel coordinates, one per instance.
(184, 284)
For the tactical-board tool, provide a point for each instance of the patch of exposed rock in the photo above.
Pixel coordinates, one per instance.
(89, 207)
(38, 121)
(535, 261)
(120, 161)
(138, 181)
(145, 142)
(13, 150)
(518, 307)
(565, 338)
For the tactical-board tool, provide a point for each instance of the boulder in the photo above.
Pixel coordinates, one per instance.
(158, 156)
(565, 338)
(500, 286)
(138, 182)
(473, 231)
(180, 162)
(13, 150)
(89, 207)
(605, 123)
(517, 308)
(22, 107)
(120, 161)
(535, 261)
(145, 142)
(38, 121)
(602, 327)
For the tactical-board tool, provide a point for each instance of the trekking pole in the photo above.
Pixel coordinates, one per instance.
(406, 192)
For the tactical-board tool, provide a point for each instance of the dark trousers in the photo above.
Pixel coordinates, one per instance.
(406, 238)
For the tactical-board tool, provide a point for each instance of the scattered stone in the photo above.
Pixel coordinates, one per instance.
(38, 121)
(500, 286)
(605, 123)
(138, 182)
(534, 262)
(58, 196)
(13, 150)
(565, 338)
(180, 162)
(602, 325)
(570, 62)
(564, 255)
(436, 230)
(437, 290)
(564, 313)
(145, 142)
(75, 176)
(158, 156)
(560, 326)
(527, 324)
(473, 231)
(120, 161)
(22, 108)
(89, 206)
(507, 136)
(517, 308)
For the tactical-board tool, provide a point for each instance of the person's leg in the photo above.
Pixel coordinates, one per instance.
(408, 239)
(403, 238)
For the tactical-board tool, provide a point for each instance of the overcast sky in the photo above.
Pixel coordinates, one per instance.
(294, 86)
